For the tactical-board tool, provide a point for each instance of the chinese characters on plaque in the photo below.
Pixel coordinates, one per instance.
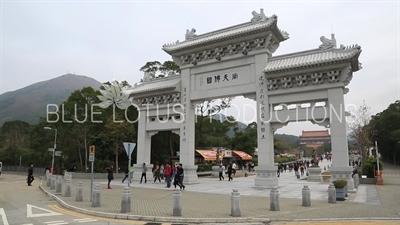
(222, 78)
(184, 104)
(261, 96)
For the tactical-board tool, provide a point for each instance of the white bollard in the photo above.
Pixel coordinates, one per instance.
(235, 203)
(177, 207)
(126, 200)
(53, 182)
(331, 193)
(67, 188)
(96, 200)
(58, 185)
(306, 196)
(274, 200)
(79, 192)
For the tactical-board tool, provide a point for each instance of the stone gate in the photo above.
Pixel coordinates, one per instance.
(301, 86)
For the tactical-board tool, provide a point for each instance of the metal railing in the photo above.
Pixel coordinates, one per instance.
(18, 169)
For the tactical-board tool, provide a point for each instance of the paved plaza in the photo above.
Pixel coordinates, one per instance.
(209, 201)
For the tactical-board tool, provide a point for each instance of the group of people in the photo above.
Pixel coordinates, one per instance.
(295, 166)
(231, 170)
(168, 174)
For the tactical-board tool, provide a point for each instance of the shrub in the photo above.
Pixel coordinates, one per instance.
(340, 183)
(369, 167)
(282, 160)
(204, 167)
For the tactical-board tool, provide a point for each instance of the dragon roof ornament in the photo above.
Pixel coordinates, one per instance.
(258, 23)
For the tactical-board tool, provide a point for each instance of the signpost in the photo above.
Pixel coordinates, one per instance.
(129, 146)
(91, 159)
(58, 153)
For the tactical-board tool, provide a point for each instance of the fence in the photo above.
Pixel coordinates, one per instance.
(18, 169)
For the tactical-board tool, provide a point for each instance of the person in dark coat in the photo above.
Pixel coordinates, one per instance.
(230, 171)
(30, 178)
(110, 175)
(126, 175)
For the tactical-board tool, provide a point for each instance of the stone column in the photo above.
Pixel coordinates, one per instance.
(340, 157)
(143, 148)
(126, 200)
(48, 179)
(96, 200)
(274, 200)
(235, 203)
(58, 185)
(331, 193)
(306, 196)
(187, 135)
(177, 205)
(53, 182)
(266, 171)
(68, 187)
(79, 192)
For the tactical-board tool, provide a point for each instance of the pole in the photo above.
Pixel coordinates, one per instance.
(129, 165)
(377, 155)
(91, 182)
(54, 151)
(20, 162)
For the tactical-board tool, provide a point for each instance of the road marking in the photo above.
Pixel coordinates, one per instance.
(59, 222)
(76, 214)
(30, 214)
(85, 220)
(4, 217)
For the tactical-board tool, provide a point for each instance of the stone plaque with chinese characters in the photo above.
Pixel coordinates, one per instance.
(225, 78)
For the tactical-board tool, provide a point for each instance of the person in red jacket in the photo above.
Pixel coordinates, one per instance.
(168, 175)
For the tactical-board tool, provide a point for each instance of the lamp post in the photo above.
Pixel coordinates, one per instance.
(55, 146)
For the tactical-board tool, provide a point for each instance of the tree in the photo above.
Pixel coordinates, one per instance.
(387, 126)
(361, 129)
(16, 135)
(168, 68)
(246, 140)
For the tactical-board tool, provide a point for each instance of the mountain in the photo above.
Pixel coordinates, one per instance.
(230, 133)
(29, 103)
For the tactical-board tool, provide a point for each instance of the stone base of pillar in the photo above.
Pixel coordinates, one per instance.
(265, 177)
(190, 175)
(137, 172)
(215, 172)
(314, 174)
(343, 173)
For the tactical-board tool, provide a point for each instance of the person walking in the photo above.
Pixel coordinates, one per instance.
(156, 173)
(144, 170)
(30, 178)
(110, 175)
(221, 172)
(180, 176)
(230, 171)
(168, 174)
(126, 175)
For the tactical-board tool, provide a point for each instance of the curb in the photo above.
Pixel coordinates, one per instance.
(240, 220)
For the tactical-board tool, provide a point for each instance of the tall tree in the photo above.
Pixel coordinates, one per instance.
(387, 126)
(16, 135)
(361, 129)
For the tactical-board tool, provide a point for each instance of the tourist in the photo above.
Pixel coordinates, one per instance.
(162, 172)
(156, 173)
(221, 172)
(110, 175)
(302, 170)
(168, 174)
(126, 175)
(144, 170)
(230, 170)
(30, 177)
(180, 175)
(234, 167)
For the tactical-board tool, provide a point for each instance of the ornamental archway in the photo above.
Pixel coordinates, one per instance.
(238, 61)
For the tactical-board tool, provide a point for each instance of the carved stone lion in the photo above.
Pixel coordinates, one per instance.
(190, 34)
(148, 76)
(258, 17)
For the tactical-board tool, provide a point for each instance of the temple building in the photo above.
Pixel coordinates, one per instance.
(314, 139)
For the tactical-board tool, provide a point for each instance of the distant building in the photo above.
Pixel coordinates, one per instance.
(315, 139)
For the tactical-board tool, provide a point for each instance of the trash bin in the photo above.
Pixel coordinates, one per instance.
(379, 177)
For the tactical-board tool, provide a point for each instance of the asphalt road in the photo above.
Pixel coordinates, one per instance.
(21, 204)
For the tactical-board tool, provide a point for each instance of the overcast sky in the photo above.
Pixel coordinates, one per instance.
(109, 40)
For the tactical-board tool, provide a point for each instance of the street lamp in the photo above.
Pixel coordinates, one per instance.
(55, 146)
